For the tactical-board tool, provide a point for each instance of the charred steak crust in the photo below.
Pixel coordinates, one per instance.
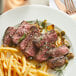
(58, 56)
(7, 40)
(60, 51)
(56, 62)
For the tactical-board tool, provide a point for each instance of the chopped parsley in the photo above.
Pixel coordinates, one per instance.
(29, 21)
(22, 37)
(37, 22)
(59, 71)
(44, 24)
(41, 38)
(30, 58)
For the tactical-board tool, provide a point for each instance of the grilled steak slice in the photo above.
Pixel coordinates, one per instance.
(30, 51)
(49, 37)
(7, 40)
(60, 51)
(24, 42)
(21, 30)
(42, 55)
(56, 62)
(27, 46)
(34, 32)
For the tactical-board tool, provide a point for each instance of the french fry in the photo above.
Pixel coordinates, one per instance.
(44, 67)
(27, 71)
(14, 73)
(1, 69)
(2, 55)
(16, 64)
(30, 74)
(8, 49)
(24, 64)
(16, 56)
(41, 73)
(5, 73)
(1, 73)
(5, 65)
(31, 65)
(16, 69)
(9, 66)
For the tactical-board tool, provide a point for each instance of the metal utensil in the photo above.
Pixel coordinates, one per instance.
(70, 7)
(66, 6)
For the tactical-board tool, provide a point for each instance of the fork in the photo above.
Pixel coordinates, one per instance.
(70, 7)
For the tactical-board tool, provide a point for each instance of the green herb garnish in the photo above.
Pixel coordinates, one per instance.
(44, 24)
(47, 52)
(47, 47)
(29, 21)
(37, 22)
(49, 57)
(22, 37)
(41, 38)
(59, 71)
(30, 58)
(16, 26)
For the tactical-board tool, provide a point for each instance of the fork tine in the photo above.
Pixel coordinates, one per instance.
(69, 10)
(69, 4)
(73, 4)
(70, 7)
(73, 9)
(65, 2)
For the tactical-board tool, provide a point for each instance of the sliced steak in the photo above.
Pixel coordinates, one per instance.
(24, 28)
(30, 51)
(56, 62)
(7, 40)
(42, 55)
(60, 51)
(34, 32)
(27, 46)
(49, 37)
(24, 42)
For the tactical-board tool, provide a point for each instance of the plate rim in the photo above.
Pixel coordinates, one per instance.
(38, 6)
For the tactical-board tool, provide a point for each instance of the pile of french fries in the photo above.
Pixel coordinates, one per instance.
(14, 63)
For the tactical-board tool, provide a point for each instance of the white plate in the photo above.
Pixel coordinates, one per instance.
(56, 17)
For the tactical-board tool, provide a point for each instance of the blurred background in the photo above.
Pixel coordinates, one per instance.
(10, 4)
(67, 6)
